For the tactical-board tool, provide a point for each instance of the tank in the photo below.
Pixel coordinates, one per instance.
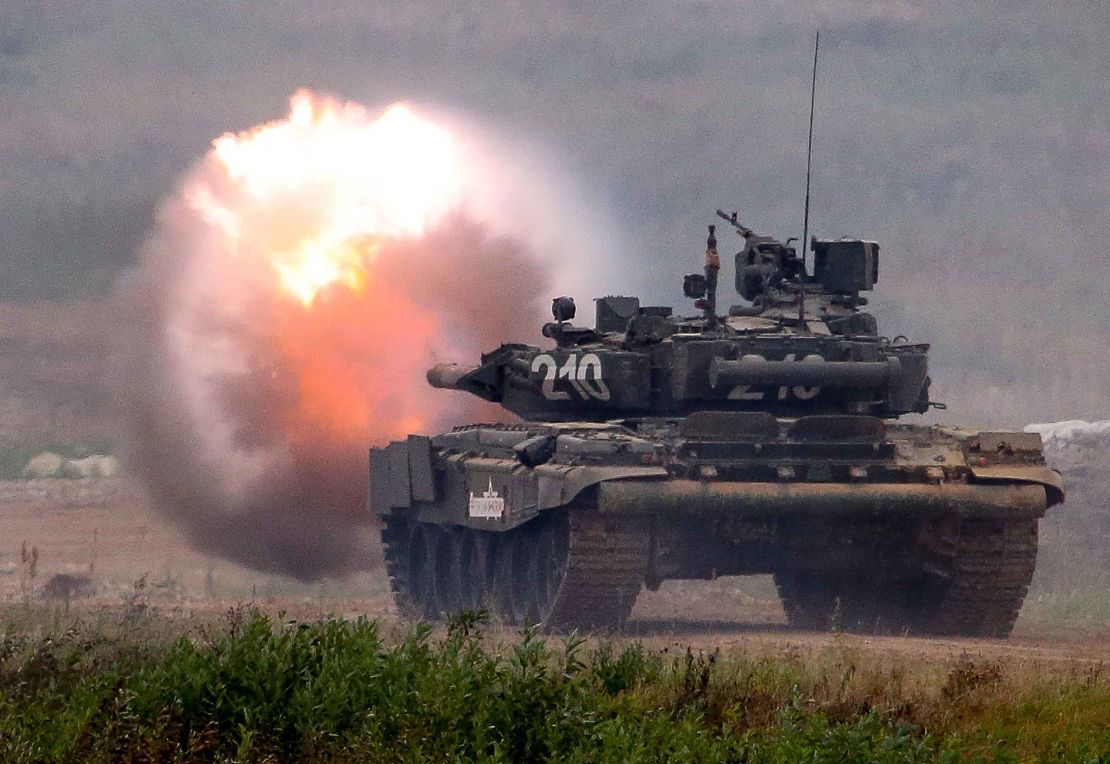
(764, 438)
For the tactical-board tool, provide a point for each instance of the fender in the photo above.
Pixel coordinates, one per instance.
(560, 484)
(1037, 474)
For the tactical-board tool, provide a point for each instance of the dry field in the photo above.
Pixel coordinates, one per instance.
(98, 545)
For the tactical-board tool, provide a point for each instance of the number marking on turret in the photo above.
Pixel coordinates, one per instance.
(584, 375)
(800, 392)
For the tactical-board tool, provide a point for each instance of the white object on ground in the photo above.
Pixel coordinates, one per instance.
(91, 467)
(44, 465)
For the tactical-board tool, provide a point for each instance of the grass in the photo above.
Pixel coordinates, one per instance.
(252, 688)
(1076, 602)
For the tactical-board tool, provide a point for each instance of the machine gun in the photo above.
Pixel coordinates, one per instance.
(731, 218)
(764, 262)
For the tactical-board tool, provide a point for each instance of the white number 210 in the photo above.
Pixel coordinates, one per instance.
(584, 376)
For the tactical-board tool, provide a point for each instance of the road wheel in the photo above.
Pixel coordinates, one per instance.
(568, 569)
(549, 564)
(505, 551)
(475, 562)
(396, 533)
(448, 571)
(408, 561)
(523, 591)
(422, 569)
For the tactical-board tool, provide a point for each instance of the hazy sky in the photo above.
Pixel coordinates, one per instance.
(971, 139)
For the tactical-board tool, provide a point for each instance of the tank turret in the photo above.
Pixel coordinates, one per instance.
(800, 345)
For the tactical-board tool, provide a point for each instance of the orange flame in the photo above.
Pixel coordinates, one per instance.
(314, 198)
(369, 179)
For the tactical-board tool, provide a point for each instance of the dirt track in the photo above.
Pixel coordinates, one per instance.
(105, 531)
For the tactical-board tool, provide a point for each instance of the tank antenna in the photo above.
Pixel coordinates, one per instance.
(809, 165)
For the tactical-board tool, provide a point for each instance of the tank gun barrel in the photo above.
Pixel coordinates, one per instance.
(446, 376)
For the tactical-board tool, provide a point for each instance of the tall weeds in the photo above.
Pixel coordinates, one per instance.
(258, 689)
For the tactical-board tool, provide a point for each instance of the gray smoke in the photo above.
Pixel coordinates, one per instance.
(240, 474)
(1073, 565)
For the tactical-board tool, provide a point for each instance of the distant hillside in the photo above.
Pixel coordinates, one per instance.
(55, 370)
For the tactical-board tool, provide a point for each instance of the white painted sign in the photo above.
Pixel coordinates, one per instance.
(584, 376)
(490, 504)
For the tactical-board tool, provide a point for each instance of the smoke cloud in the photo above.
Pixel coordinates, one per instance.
(298, 285)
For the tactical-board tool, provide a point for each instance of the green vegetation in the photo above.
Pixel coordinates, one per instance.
(254, 689)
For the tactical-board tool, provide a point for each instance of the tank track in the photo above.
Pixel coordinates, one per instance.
(395, 534)
(568, 569)
(990, 564)
(976, 577)
(605, 570)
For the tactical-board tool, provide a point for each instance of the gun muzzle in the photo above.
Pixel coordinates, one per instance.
(446, 376)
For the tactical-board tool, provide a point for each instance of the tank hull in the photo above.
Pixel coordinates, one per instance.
(864, 525)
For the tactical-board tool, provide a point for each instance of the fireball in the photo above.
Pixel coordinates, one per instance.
(299, 284)
(368, 179)
(309, 202)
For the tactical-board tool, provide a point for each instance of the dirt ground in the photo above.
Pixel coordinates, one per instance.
(99, 544)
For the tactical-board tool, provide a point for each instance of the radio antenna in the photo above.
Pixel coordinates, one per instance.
(809, 165)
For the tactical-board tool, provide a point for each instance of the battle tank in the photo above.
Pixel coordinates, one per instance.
(763, 440)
